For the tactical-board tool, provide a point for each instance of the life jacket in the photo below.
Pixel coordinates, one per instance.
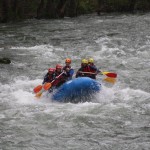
(49, 77)
(60, 80)
(64, 68)
(86, 69)
(93, 68)
(69, 73)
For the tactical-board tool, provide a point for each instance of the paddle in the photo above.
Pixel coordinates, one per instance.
(110, 76)
(46, 86)
(38, 88)
(110, 80)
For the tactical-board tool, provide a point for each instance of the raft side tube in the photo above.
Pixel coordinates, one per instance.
(77, 90)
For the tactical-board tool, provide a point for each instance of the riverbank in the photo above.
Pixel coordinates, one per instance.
(117, 118)
(13, 10)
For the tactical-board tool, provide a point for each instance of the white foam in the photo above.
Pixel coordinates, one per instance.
(99, 21)
(21, 91)
(129, 94)
(37, 47)
(24, 97)
(44, 52)
(1, 49)
(19, 65)
(105, 95)
(102, 40)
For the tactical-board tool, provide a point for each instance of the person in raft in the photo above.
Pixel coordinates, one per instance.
(68, 69)
(50, 76)
(55, 76)
(91, 63)
(86, 70)
(60, 76)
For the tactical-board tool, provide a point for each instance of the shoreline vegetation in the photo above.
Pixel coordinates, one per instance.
(17, 10)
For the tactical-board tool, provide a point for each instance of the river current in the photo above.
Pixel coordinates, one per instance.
(118, 118)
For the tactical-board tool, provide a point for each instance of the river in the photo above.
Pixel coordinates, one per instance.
(118, 118)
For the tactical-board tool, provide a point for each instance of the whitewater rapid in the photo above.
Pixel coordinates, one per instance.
(117, 118)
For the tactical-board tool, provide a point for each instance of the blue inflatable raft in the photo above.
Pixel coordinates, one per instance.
(77, 90)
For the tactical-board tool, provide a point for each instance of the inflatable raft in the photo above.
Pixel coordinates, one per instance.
(80, 89)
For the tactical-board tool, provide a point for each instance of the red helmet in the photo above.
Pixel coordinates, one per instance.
(58, 66)
(68, 60)
(51, 69)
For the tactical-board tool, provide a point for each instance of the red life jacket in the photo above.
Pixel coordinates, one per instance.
(92, 70)
(50, 77)
(60, 80)
(86, 69)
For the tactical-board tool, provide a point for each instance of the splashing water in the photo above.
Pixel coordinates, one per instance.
(118, 116)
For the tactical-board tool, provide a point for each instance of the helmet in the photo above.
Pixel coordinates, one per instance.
(91, 60)
(58, 66)
(68, 60)
(51, 69)
(84, 61)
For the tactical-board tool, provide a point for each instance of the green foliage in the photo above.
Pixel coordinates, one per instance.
(86, 6)
(23, 9)
(124, 5)
(118, 5)
(30, 6)
(143, 5)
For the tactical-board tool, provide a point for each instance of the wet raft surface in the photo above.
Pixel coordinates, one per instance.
(77, 90)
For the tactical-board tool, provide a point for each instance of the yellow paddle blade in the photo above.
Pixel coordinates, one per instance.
(47, 86)
(105, 72)
(110, 80)
(38, 95)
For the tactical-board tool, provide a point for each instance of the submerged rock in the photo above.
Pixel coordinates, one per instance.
(5, 60)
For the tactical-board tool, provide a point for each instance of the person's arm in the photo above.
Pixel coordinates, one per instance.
(78, 73)
(45, 79)
(94, 68)
(58, 79)
(70, 73)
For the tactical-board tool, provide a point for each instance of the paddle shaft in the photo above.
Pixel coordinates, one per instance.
(111, 77)
(57, 77)
(39, 94)
(108, 74)
(87, 72)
